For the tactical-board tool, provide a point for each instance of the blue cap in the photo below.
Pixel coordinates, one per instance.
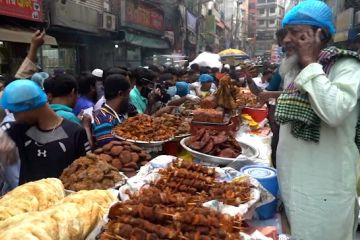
(183, 88)
(205, 78)
(311, 12)
(23, 95)
(39, 78)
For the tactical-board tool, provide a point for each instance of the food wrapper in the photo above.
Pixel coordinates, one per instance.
(150, 173)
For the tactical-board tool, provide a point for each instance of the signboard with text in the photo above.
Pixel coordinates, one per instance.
(142, 16)
(24, 9)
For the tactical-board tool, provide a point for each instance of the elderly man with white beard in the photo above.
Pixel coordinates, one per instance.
(318, 113)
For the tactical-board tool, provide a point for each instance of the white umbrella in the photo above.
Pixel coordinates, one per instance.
(207, 59)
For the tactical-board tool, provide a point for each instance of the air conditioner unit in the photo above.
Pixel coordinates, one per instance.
(357, 18)
(107, 22)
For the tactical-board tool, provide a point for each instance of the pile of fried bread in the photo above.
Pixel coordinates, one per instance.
(40, 210)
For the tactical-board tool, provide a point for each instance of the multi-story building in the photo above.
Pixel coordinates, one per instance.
(269, 16)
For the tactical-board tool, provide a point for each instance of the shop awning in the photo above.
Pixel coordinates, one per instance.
(145, 41)
(22, 36)
(220, 24)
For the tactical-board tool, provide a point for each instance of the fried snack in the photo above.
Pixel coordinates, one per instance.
(175, 123)
(32, 196)
(208, 115)
(215, 143)
(144, 128)
(103, 198)
(66, 221)
(87, 173)
(124, 156)
(226, 93)
(209, 102)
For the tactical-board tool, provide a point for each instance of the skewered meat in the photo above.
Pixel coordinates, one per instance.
(179, 163)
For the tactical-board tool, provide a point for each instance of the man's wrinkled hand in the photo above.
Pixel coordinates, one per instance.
(309, 46)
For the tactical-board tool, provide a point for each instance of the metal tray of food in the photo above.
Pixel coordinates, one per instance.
(224, 123)
(143, 143)
(248, 153)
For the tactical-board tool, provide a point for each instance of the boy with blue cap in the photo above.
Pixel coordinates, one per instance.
(319, 140)
(206, 87)
(47, 143)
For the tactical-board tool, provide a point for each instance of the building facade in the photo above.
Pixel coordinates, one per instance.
(18, 20)
(269, 16)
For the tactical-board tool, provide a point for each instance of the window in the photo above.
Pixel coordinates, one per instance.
(261, 22)
(261, 11)
(272, 10)
(271, 1)
(261, 1)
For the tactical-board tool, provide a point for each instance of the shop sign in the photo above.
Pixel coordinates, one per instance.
(142, 16)
(25, 9)
(265, 35)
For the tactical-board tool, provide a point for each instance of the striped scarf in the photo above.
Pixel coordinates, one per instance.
(293, 107)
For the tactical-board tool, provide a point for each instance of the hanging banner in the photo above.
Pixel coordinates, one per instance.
(24, 9)
(142, 16)
(191, 21)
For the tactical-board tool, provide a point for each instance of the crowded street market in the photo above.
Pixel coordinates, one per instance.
(210, 141)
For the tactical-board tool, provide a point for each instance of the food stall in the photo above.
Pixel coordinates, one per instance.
(203, 173)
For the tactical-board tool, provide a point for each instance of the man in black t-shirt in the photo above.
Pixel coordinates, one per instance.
(47, 143)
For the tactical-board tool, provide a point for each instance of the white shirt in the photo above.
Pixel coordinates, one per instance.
(260, 84)
(318, 180)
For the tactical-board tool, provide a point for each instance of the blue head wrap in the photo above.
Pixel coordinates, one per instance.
(311, 12)
(205, 78)
(23, 95)
(39, 78)
(183, 88)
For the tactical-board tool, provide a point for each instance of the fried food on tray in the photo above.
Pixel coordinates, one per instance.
(170, 211)
(124, 156)
(208, 115)
(71, 218)
(175, 123)
(214, 143)
(209, 102)
(104, 198)
(144, 128)
(31, 196)
(89, 172)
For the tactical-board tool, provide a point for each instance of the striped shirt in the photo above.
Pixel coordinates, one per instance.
(105, 121)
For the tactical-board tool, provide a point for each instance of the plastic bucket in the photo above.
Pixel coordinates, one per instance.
(267, 177)
(171, 148)
(258, 114)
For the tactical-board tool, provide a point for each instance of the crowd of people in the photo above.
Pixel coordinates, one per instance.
(50, 120)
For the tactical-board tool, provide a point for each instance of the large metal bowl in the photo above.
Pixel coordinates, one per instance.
(248, 153)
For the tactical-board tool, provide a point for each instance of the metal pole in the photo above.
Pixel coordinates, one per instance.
(198, 25)
(237, 21)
